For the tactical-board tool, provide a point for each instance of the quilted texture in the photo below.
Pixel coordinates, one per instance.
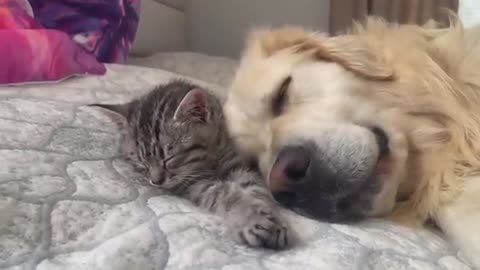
(67, 201)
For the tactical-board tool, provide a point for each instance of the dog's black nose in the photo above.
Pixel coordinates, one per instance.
(334, 180)
(296, 161)
(290, 168)
(298, 172)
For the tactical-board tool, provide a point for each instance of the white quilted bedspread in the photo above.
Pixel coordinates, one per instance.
(68, 202)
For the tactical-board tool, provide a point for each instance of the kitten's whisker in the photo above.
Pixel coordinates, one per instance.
(167, 159)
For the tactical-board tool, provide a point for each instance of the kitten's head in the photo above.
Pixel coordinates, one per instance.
(174, 133)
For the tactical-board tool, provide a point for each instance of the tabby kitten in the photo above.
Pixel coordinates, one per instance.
(177, 134)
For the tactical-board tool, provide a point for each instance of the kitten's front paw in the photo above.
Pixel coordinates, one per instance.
(266, 229)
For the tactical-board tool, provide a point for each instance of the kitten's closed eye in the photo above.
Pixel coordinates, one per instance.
(186, 156)
(193, 147)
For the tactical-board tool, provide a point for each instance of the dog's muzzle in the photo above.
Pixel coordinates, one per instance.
(332, 180)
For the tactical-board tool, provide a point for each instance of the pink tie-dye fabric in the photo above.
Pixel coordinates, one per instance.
(29, 53)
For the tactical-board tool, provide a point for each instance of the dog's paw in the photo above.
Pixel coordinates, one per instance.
(265, 229)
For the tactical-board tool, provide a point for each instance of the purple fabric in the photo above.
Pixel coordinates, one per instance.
(29, 53)
(105, 28)
(40, 55)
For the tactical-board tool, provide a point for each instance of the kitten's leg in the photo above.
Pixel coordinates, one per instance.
(248, 207)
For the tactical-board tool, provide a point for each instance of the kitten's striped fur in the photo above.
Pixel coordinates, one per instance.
(177, 134)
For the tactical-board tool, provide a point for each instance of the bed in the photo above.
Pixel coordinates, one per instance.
(68, 201)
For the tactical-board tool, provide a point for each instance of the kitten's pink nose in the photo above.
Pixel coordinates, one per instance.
(156, 176)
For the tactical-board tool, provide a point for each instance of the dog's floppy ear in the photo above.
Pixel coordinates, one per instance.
(352, 52)
(356, 55)
(265, 42)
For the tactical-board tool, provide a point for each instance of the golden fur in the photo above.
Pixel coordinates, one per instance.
(422, 81)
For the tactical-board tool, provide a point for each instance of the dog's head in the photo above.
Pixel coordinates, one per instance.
(338, 125)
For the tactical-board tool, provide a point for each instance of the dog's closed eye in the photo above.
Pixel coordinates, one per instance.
(280, 97)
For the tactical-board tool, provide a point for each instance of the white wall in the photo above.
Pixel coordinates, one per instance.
(161, 27)
(469, 12)
(218, 27)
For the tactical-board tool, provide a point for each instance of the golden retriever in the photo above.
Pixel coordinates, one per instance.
(381, 121)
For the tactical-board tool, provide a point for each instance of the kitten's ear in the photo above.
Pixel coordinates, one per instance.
(120, 109)
(193, 107)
